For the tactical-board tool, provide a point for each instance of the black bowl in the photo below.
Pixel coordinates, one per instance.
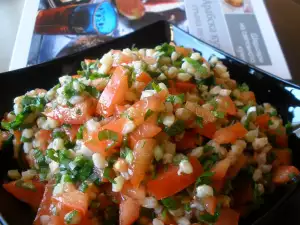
(283, 95)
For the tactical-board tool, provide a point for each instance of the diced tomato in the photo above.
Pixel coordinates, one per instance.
(228, 217)
(172, 88)
(137, 194)
(144, 77)
(30, 196)
(283, 174)
(169, 182)
(210, 204)
(247, 96)
(208, 130)
(72, 131)
(188, 141)
(230, 134)
(119, 109)
(220, 169)
(78, 114)
(44, 208)
(145, 130)
(114, 92)
(226, 105)
(184, 87)
(281, 137)
(76, 76)
(143, 155)
(237, 166)
(44, 137)
(17, 135)
(283, 157)
(92, 141)
(262, 121)
(74, 200)
(206, 114)
(129, 211)
(183, 51)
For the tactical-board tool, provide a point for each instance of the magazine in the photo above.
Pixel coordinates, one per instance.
(240, 27)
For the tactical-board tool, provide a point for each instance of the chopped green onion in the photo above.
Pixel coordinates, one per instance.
(148, 114)
(169, 203)
(205, 178)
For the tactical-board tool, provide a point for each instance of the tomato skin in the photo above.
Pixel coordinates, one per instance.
(169, 183)
(144, 77)
(31, 197)
(145, 130)
(208, 130)
(237, 166)
(226, 105)
(183, 51)
(188, 141)
(247, 96)
(129, 211)
(228, 217)
(283, 157)
(78, 114)
(44, 208)
(220, 169)
(210, 204)
(262, 121)
(184, 87)
(44, 137)
(281, 175)
(143, 154)
(72, 131)
(137, 194)
(230, 134)
(114, 92)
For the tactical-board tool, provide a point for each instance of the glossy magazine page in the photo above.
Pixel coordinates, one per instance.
(239, 27)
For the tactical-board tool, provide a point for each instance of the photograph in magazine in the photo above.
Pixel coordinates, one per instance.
(64, 27)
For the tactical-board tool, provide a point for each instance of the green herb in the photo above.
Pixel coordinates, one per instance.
(79, 134)
(177, 128)
(78, 112)
(187, 207)
(273, 113)
(95, 76)
(39, 158)
(205, 178)
(165, 49)
(28, 185)
(289, 128)
(156, 87)
(207, 81)
(271, 157)
(106, 174)
(169, 203)
(177, 63)
(270, 123)
(25, 139)
(85, 171)
(214, 103)
(199, 121)
(243, 87)
(83, 187)
(69, 91)
(208, 148)
(198, 66)
(108, 135)
(175, 98)
(210, 219)
(51, 153)
(127, 154)
(245, 108)
(148, 114)
(59, 134)
(218, 114)
(209, 160)
(69, 104)
(92, 91)
(164, 213)
(5, 125)
(69, 217)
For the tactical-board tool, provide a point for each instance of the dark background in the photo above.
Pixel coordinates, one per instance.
(285, 16)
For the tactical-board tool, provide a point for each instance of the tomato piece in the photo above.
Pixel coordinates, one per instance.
(137, 194)
(169, 182)
(283, 157)
(144, 77)
(184, 87)
(228, 217)
(17, 135)
(189, 141)
(283, 174)
(172, 88)
(78, 114)
(145, 130)
(133, 9)
(237, 166)
(44, 208)
(92, 141)
(31, 196)
(183, 51)
(129, 211)
(230, 134)
(262, 121)
(208, 130)
(72, 131)
(210, 204)
(247, 97)
(74, 200)
(206, 114)
(114, 92)
(143, 155)
(220, 169)
(226, 105)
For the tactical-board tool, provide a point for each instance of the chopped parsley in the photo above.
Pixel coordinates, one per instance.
(107, 175)
(177, 128)
(199, 121)
(169, 203)
(175, 98)
(210, 219)
(148, 114)
(218, 114)
(205, 178)
(155, 87)
(165, 49)
(108, 135)
(243, 87)
(198, 66)
(79, 134)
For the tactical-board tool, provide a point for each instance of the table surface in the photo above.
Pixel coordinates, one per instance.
(285, 16)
